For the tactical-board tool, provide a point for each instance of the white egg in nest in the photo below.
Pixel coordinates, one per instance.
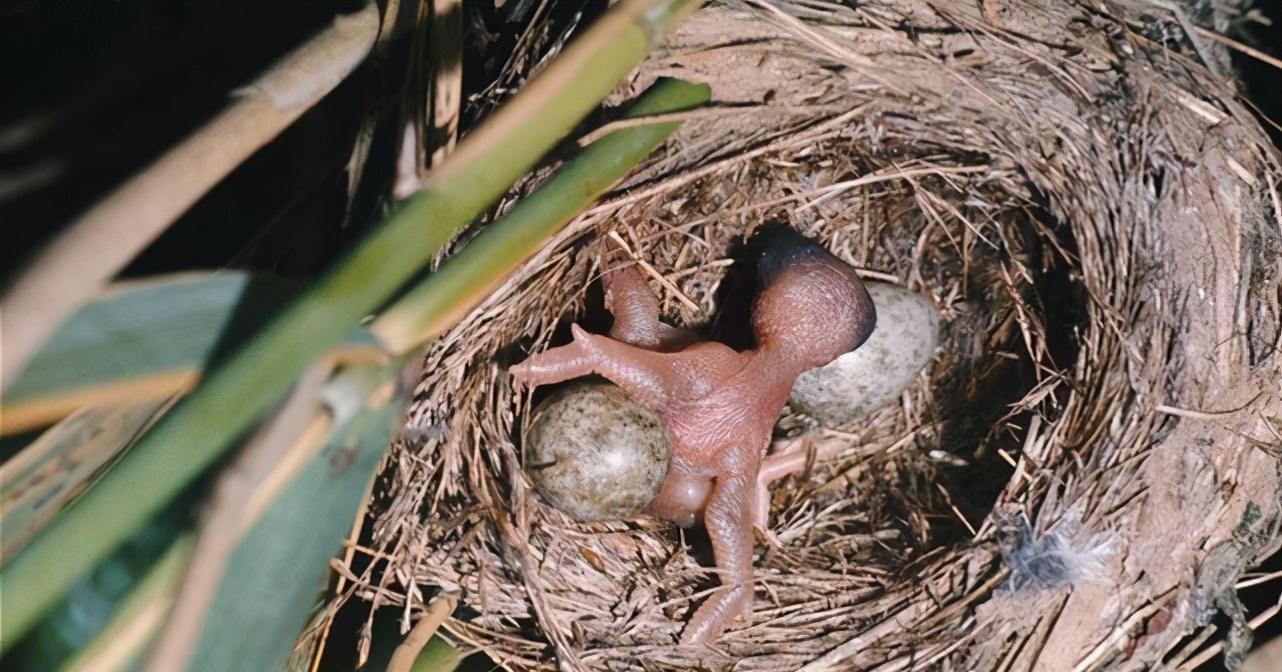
(875, 374)
(595, 454)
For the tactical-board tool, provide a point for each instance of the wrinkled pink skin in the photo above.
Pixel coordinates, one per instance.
(719, 406)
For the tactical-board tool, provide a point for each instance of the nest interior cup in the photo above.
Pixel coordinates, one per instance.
(1103, 402)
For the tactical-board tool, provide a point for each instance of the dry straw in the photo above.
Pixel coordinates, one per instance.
(1095, 214)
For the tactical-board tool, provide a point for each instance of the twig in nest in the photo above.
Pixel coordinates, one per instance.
(407, 652)
(956, 511)
(1258, 580)
(835, 188)
(1121, 632)
(1238, 46)
(869, 274)
(708, 112)
(902, 620)
(633, 122)
(829, 127)
(1215, 648)
(689, 303)
(1199, 107)
(351, 547)
(1205, 415)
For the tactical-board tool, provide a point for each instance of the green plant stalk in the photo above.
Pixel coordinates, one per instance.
(467, 277)
(113, 366)
(270, 583)
(201, 427)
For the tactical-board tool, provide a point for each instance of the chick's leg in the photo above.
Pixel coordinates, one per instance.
(728, 518)
(644, 375)
(554, 365)
(789, 459)
(634, 306)
(636, 313)
(636, 322)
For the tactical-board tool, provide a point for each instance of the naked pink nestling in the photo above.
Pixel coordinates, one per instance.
(719, 406)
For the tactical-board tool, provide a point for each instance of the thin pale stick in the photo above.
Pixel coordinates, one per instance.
(423, 631)
(1205, 415)
(1238, 46)
(689, 303)
(1255, 623)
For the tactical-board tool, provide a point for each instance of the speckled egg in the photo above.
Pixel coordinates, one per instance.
(595, 454)
(874, 375)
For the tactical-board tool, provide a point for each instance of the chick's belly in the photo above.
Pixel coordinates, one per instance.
(693, 465)
(701, 436)
(696, 454)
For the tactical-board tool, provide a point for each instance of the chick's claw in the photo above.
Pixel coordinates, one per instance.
(712, 617)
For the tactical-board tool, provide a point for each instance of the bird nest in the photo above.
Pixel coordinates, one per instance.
(1078, 478)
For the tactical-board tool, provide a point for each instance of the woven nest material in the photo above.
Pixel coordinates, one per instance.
(1077, 480)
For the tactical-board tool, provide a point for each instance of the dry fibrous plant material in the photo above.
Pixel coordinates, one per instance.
(1085, 471)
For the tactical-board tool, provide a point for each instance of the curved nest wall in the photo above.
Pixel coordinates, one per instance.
(1081, 474)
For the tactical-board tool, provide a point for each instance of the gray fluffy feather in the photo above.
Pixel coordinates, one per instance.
(1063, 557)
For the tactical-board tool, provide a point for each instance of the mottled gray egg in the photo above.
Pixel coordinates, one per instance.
(595, 454)
(874, 375)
